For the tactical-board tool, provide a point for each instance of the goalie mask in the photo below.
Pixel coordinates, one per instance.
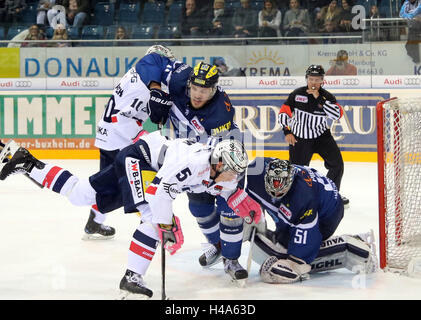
(162, 51)
(204, 75)
(278, 177)
(232, 154)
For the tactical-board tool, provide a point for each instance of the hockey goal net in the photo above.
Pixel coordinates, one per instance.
(399, 172)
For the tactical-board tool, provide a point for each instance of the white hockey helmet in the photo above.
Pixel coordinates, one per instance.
(161, 50)
(232, 154)
(279, 176)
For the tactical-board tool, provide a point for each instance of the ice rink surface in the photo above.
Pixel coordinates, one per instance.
(43, 256)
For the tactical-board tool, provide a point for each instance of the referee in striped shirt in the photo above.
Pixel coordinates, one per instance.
(303, 118)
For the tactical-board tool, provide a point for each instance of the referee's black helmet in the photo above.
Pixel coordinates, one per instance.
(315, 70)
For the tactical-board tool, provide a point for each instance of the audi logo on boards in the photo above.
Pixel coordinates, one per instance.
(287, 82)
(90, 83)
(350, 82)
(23, 84)
(412, 81)
(226, 82)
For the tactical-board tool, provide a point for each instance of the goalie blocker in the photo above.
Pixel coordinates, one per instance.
(353, 252)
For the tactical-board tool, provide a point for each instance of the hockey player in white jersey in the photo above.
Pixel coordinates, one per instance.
(123, 119)
(147, 176)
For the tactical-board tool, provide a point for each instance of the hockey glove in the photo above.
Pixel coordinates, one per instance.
(171, 235)
(244, 206)
(288, 270)
(159, 106)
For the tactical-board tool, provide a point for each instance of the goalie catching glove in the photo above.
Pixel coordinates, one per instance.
(244, 206)
(159, 106)
(171, 235)
(288, 270)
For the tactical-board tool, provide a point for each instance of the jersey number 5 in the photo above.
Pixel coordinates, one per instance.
(183, 174)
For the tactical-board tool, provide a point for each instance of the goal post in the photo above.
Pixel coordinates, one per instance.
(399, 181)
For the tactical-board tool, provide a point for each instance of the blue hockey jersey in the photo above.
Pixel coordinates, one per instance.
(215, 119)
(312, 205)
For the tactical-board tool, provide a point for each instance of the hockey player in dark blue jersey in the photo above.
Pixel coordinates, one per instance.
(307, 209)
(202, 110)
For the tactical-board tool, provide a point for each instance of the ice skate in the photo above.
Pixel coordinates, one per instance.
(211, 256)
(132, 287)
(97, 231)
(345, 201)
(237, 273)
(15, 159)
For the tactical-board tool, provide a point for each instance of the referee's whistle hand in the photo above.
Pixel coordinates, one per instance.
(290, 139)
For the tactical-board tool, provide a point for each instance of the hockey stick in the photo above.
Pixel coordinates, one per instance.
(253, 233)
(163, 294)
(249, 258)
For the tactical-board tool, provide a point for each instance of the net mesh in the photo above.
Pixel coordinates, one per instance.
(402, 181)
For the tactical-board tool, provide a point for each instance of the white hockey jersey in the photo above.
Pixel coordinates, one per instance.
(185, 168)
(127, 109)
(124, 114)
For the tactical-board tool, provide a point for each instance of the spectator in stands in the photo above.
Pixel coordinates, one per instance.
(77, 12)
(296, 20)
(225, 71)
(220, 20)
(121, 34)
(411, 10)
(43, 7)
(269, 19)
(192, 20)
(315, 5)
(35, 33)
(2, 11)
(374, 27)
(331, 12)
(330, 28)
(341, 66)
(60, 33)
(14, 10)
(346, 16)
(319, 22)
(244, 20)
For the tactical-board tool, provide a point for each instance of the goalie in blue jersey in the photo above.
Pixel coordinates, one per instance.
(307, 209)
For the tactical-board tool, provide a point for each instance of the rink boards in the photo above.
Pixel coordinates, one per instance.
(61, 124)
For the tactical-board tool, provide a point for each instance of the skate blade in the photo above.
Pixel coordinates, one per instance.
(7, 153)
(96, 236)
(124, 295)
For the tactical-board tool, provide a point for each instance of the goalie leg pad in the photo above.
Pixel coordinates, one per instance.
(264, 248)
(351, 252)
